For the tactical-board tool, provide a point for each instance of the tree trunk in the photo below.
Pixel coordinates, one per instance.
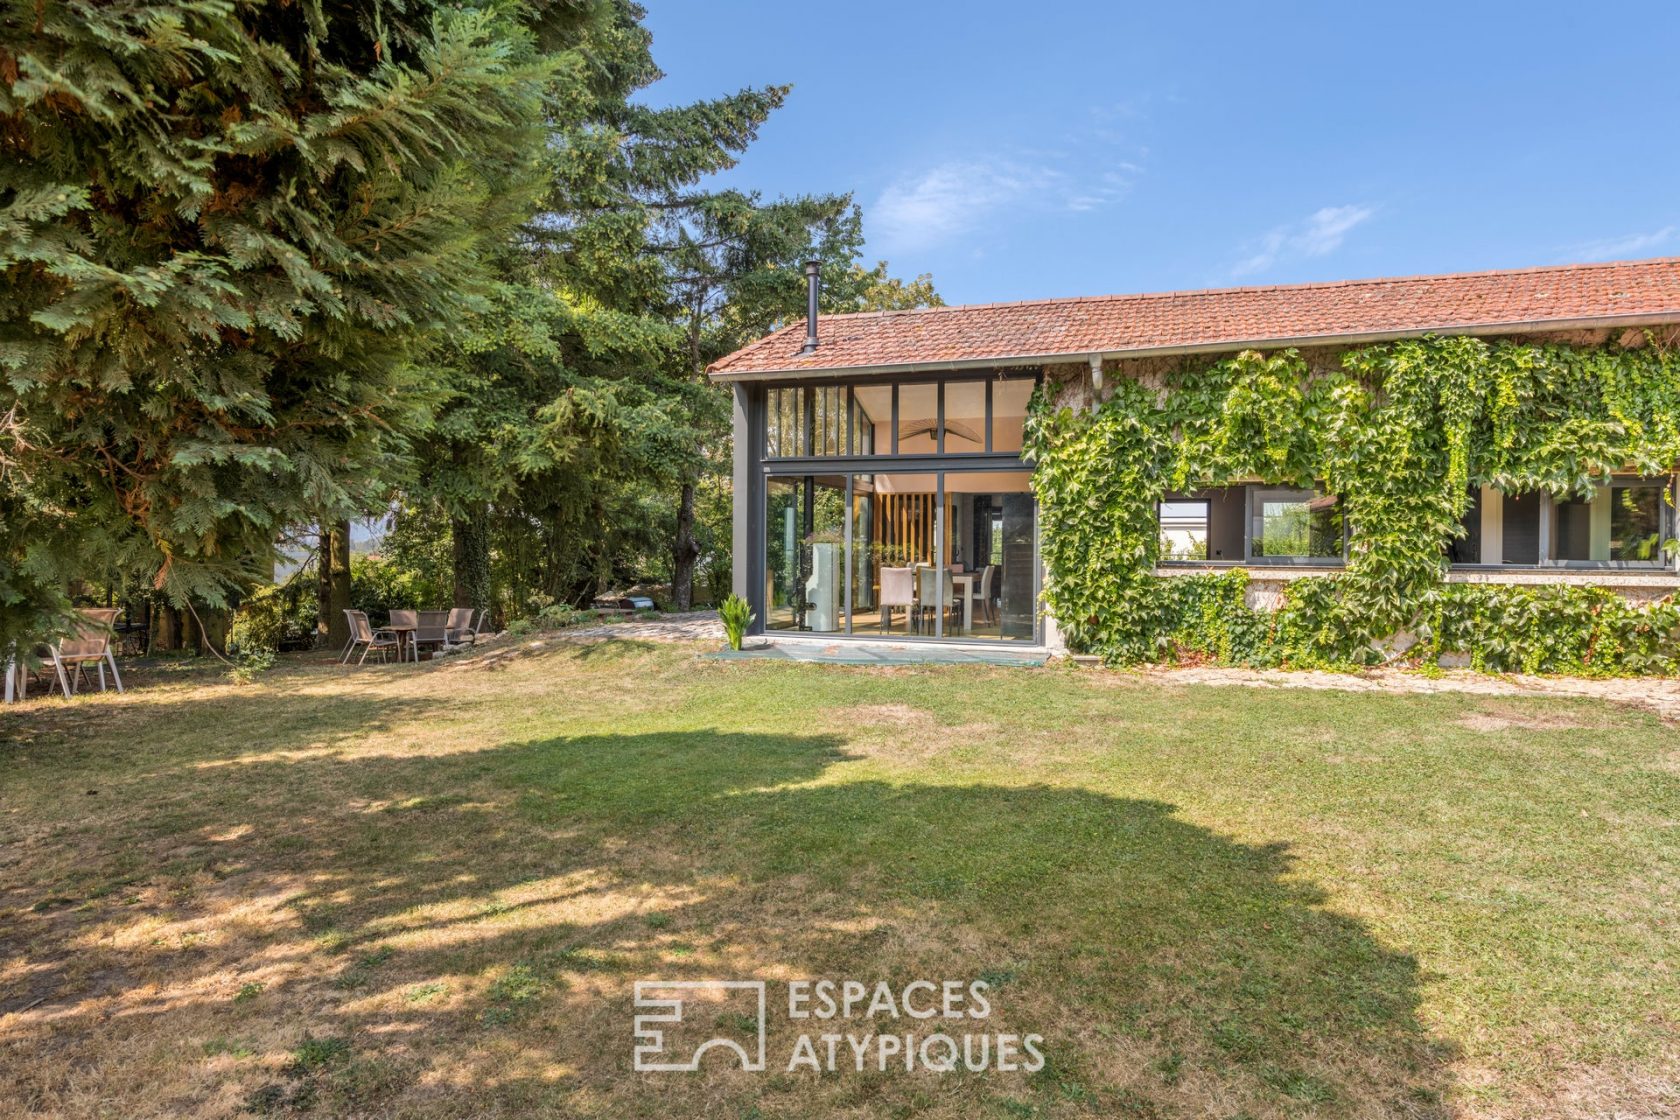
(470, 544)
(323, 588)
(684, 552)
(166, 628)
(210, 638)
(335, 585)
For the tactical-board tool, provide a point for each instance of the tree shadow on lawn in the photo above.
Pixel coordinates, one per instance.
(1171, 971)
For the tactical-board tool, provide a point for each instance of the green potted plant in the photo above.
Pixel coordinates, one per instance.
(737, 616)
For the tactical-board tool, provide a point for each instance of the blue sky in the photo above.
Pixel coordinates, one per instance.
(1079, 148)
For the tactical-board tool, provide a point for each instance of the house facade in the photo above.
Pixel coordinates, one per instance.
(881, 490)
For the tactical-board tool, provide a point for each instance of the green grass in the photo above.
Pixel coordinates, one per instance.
(428, 891)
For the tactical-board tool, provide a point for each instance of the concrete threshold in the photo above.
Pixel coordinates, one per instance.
(828, 652)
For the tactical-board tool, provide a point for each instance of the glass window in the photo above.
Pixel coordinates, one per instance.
(1184, 530)
(989, 549)
(918, 419)
(1009, 411)
(1622, 523)
(965, 417)
(1637, 523)
(871, 415)
(820, 421)
(1294, 525)
(804, 541)
(805, 421)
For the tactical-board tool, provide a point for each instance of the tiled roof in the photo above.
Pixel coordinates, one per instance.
(1224, 318)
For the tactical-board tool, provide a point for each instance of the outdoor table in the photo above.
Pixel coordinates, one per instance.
(405, 638)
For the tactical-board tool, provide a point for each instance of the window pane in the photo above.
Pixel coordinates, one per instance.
(918, 419)
(1572, 537)
(989, 550)
(1636, 523)
(1009, 411)
(1296, 524)
(965, 417)
(1184, 530)
(872, 419)
(901, 541)
(804, 545)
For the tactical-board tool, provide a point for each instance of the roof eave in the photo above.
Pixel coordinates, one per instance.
(1004, 361)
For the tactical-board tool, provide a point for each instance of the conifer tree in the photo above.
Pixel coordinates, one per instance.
(228, 228)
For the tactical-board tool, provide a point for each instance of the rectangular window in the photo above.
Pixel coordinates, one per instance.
(1624, 523)
(1184, 530)
(1294, 526)
(1638, 520)
(805, 421)
(1009, 411)
(965, 417)
(960, 416)
(918, 419)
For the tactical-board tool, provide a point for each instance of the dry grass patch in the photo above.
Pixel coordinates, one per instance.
(428, 891)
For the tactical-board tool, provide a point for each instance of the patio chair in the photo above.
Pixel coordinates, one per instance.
(362, 633)
(897, 590)
(90, 644)
(431, 629)
(464, 624)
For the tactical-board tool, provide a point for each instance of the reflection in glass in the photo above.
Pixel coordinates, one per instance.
(805, 421)
(1296, 525)
(1184, 530)
(804, 544)
(1636, 523)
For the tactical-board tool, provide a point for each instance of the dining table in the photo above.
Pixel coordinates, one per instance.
(962, 583)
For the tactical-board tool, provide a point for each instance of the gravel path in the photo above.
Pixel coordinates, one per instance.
(693, 626)
(1658, 694)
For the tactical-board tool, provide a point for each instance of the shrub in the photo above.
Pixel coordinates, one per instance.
(737, 616)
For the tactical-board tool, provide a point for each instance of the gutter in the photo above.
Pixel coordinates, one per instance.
(1218, 347)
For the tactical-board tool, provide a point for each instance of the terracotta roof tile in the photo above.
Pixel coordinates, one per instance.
(1212, 319)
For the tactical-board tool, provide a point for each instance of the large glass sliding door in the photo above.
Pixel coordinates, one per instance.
(804, 547)
(993, 553)
(903, 554)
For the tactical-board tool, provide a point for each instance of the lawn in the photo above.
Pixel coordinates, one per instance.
(429, 891)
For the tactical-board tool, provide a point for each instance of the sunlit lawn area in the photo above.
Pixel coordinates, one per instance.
(428, 891)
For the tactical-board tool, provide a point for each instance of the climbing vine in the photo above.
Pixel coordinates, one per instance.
(1399, 432)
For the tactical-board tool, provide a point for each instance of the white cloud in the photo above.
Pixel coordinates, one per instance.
(949, 199)
(1320, 234)
(1086, 168)
(1633, 245)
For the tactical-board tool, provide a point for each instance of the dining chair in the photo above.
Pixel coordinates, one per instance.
(982, 596)
(897, 591)
(927, 589)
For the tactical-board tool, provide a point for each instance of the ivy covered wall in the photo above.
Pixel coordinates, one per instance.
(1400, 432)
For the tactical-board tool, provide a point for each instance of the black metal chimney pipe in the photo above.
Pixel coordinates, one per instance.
(813, 274)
